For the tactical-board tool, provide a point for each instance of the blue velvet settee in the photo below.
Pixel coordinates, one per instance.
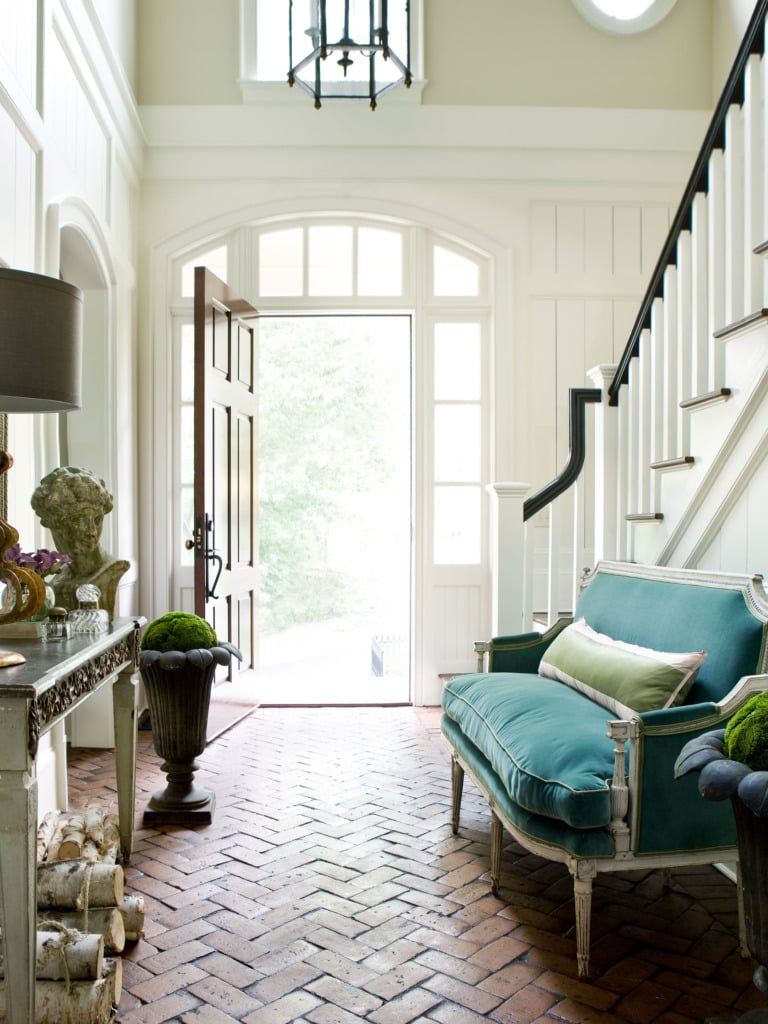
(572, 734)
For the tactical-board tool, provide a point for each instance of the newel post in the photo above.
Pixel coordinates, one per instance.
(606, 432)
(507, 557)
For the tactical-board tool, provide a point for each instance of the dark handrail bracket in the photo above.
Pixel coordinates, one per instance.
(577, 433)
(733, 92)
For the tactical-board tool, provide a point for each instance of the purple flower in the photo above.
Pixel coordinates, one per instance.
(43, 561)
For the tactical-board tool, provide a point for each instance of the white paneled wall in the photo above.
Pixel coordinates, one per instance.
(589, 262)
(743, 539)
(610, 248)
(69, 183)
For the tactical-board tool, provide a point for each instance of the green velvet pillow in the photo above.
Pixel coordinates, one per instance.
(622, 677)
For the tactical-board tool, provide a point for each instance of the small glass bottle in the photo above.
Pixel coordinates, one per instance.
(57, 627)
(89, 618)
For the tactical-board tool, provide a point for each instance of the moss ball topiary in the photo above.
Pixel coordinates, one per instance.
(746, 735)
(178, 631)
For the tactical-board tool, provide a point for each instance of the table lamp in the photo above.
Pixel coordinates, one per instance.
(40, 371)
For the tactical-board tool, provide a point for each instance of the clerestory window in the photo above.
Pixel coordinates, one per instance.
(264, 48)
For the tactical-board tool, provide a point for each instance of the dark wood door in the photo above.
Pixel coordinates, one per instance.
(226, 481)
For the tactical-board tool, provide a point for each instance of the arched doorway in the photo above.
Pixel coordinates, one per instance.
(281, 265)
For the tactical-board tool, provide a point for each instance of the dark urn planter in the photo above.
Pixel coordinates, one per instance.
(178, 689)
(721, 778)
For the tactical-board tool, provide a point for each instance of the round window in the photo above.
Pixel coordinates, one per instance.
(624, 15)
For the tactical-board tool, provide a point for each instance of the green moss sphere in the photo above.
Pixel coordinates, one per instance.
(746, 735)
(178, 631)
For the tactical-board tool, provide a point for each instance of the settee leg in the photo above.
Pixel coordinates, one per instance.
(457, 788)
(583, 872)
(497, 837)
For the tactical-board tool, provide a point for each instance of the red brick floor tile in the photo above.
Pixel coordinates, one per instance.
(330, 889)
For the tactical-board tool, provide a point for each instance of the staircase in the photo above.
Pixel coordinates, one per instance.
(674, 469)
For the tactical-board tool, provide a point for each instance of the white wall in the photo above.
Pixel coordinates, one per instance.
(72, 157)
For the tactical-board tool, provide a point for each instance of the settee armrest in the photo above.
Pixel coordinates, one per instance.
(684, 715)
(520, 652)
(666, 814)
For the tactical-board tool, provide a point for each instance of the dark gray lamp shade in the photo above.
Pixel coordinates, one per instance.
(40, 343)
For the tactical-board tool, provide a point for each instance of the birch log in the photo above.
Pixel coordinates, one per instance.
(132, 912)
(46, 831)
(106, 921)
(52, 850)
(83, 1002)
(59, 956)
(72, 838)
(75, 885)
(93, 820)
(113, 973)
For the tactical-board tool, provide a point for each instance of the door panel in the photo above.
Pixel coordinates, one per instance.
(226, 417)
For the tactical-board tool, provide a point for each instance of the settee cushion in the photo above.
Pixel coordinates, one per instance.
(623, 677)
(546, 742)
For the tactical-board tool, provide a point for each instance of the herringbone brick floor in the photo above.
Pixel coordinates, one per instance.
(330, 890)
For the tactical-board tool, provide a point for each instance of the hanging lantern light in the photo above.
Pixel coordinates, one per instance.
(346, 49)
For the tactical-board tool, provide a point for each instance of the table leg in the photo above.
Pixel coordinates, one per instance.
(125, 703)
(18, 891)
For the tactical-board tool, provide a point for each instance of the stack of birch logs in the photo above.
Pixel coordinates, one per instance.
(84, 919)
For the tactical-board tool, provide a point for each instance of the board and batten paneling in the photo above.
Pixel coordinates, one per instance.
(603, 241)
(17, 195)
(17, 43)
(741, 543)
(79, 135)
(589, 264)
(460, 609)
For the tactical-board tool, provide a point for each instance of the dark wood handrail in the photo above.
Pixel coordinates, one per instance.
(577, 436)
(733, 92)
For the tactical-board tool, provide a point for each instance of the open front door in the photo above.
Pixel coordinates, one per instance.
(226, 481)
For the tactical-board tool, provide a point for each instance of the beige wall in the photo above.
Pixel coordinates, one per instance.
(543, 53)
(729, 22)
(493, 52)
(187, 51)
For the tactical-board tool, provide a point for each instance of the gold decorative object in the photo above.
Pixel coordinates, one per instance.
(24, 593)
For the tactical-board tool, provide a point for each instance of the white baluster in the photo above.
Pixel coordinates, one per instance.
(656, 399)
(529, 542)
(699, 279)
(555, 509)
(683, 339)
(633, 423)
(621, 475)
(606, 525)
(671, 395)
(754, 182)
(716, 267)
(645, 422)
(764, 115)
(734, 215)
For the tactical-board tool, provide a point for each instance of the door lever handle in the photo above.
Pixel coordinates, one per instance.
(212, 556)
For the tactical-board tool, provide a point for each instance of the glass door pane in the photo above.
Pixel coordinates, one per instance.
(335, 509)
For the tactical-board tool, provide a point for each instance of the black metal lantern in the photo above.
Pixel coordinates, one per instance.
(351, 48)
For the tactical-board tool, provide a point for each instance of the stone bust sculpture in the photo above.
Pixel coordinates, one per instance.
(72, 503)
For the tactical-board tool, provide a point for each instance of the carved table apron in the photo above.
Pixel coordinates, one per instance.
(34, 697)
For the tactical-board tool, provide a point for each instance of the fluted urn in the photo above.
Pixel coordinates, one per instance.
(178, 686)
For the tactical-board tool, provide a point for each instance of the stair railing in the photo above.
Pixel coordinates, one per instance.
(671, 363)
(699, 181)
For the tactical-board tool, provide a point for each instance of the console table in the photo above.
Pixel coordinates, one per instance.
(34, 696)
